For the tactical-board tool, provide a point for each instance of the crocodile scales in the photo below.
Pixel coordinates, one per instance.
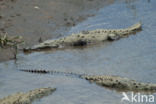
(28, 97)
(87, 37)
(115, 82)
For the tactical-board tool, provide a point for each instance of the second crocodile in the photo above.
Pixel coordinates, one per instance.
(109, 81)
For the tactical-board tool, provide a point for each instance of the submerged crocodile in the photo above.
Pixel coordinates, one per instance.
(87, 37)
(26, 98)
(115, 82)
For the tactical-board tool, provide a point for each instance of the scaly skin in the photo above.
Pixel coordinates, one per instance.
(120, 83)
(26, 98)
(87, 37)
(115, 82)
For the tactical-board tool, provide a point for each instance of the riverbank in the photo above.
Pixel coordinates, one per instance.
(41, 20)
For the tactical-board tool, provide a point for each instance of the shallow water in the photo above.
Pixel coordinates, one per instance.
(133, 57)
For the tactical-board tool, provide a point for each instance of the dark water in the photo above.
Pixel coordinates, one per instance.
(133, 57)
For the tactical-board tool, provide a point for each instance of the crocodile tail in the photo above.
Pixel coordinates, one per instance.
(37, 71)
(135, 27)
(131, 30)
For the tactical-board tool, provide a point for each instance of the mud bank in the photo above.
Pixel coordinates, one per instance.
(41, 20)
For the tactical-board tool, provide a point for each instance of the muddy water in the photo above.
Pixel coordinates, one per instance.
(133, 57)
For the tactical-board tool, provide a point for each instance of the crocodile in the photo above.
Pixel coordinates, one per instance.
(87, 37)
(108, 81)
(28, 97)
